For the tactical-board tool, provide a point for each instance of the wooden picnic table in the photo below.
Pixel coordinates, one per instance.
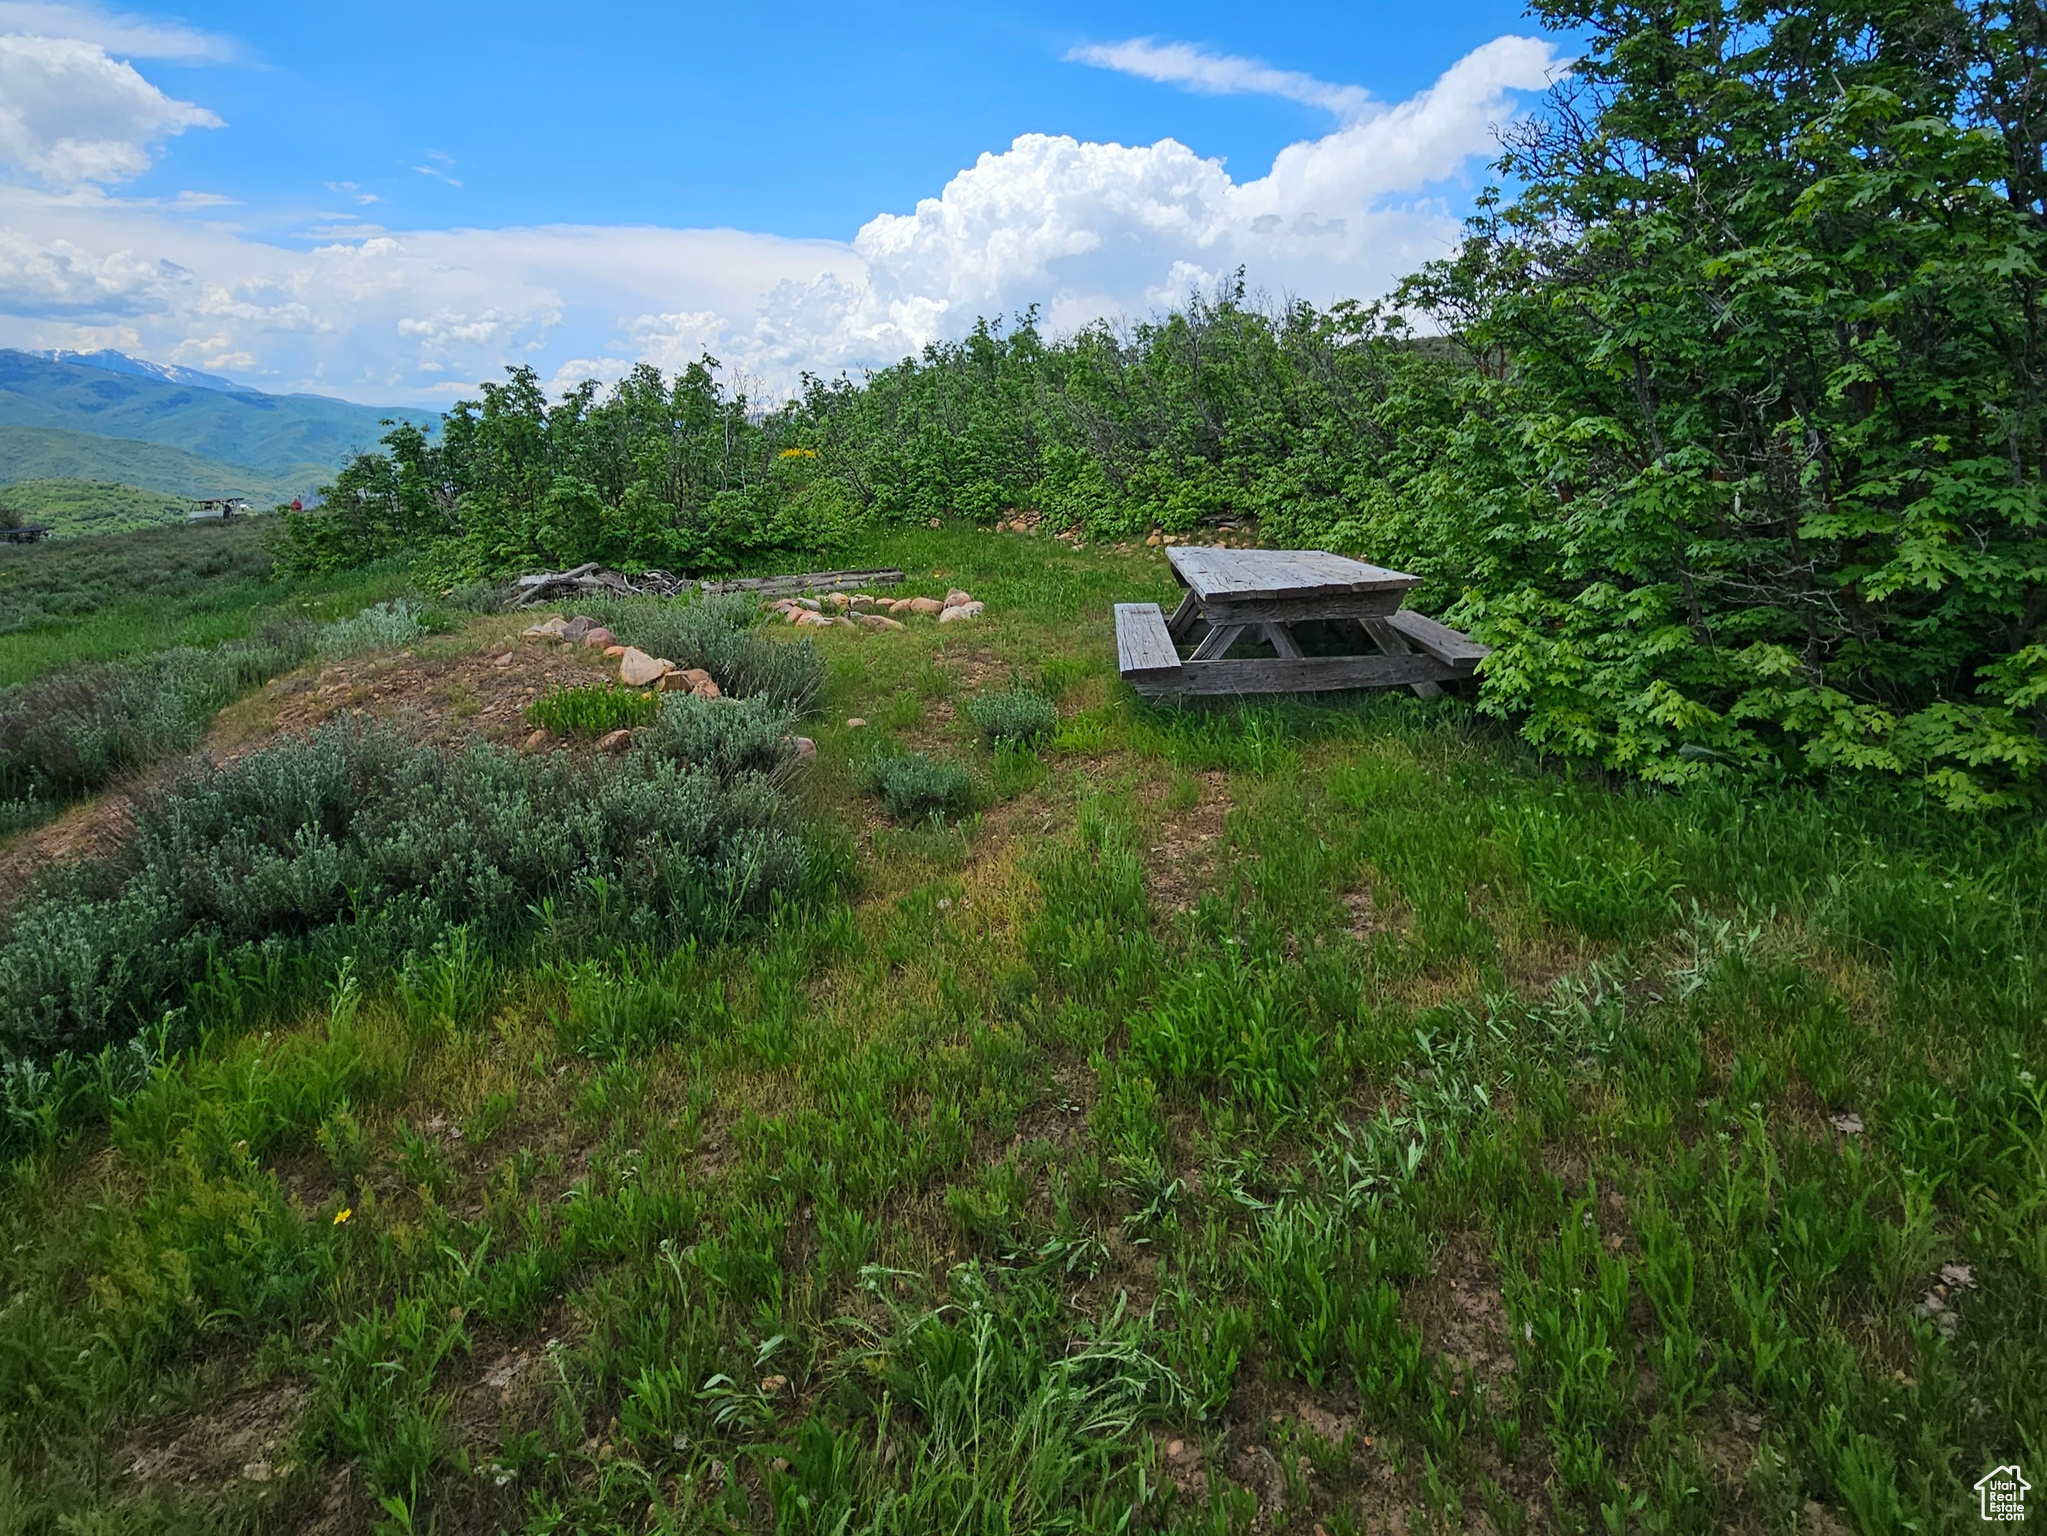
(1238, 594)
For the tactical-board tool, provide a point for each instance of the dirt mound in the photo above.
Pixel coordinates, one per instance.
(445, 691)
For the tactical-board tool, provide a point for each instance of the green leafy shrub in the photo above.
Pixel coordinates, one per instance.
(377, 628)
(1015, 716)
(358, 842)
(593, 710)
(918, 787)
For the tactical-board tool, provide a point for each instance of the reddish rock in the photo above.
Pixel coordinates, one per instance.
(614, 741)
(598, 637)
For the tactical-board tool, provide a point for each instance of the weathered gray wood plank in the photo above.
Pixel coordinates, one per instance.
(1184, 617)
(1308, 674)
(1394, 643)
(1217, 642)
(1440, 640)
(1277, 573)
(1298, 610)
(808, 581)
(1143, 647)
(1280, 640)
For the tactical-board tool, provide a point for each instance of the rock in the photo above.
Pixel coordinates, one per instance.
(691, 680)
(955, 597)
(842, 621)
(598, 637)
(809, 620)
(963, 611)
(547, 629)
(578, 627)
(862, 601)
(537, 740)
(502, 661)
(854, 722)
(810, 603)
(806, 749)
(614, 651)
(794, 614)
(1154, 541)
(636, 668)
(838, 600)
(876, 621)
(614, 741)
(926, 605)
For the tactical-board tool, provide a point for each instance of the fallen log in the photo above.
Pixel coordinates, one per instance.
(809, 581)
(545, 588)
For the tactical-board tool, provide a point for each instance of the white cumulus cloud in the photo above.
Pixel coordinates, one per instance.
(69, 114)
(1220, 74)
(1082, 230)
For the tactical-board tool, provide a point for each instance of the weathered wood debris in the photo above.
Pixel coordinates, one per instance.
(546, 588)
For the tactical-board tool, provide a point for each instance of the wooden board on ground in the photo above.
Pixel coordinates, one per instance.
(809, 581)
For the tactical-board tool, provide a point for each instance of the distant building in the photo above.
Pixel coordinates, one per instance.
(217, 509)
(27, 533)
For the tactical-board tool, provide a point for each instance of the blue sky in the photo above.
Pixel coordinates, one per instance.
(390, 202)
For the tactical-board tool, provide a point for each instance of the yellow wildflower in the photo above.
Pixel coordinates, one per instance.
(797, 453)
(342, 1215)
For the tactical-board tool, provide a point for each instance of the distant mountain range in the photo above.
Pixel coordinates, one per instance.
(108, 417)
(135, 367)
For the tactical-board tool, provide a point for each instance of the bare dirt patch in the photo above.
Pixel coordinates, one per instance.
(245, 1438)
(446, 700)
(1184, 847)
(1461, 1313)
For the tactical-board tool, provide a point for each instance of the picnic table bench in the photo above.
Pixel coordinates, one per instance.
(1238, 594)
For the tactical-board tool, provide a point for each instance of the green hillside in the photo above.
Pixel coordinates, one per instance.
(74, 507)
(275, 435)
(46, 453)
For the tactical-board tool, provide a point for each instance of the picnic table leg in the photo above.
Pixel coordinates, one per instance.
(1394, 643)
(1184, 617)
(1282, 640)
(1216, 643)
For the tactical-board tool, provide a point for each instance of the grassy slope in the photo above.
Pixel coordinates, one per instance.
(1318, 1110)
(74, 507)
(277, 435)
(45, 453)
(113, 595)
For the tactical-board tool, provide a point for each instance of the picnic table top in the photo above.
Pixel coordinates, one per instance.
(1233, 574)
